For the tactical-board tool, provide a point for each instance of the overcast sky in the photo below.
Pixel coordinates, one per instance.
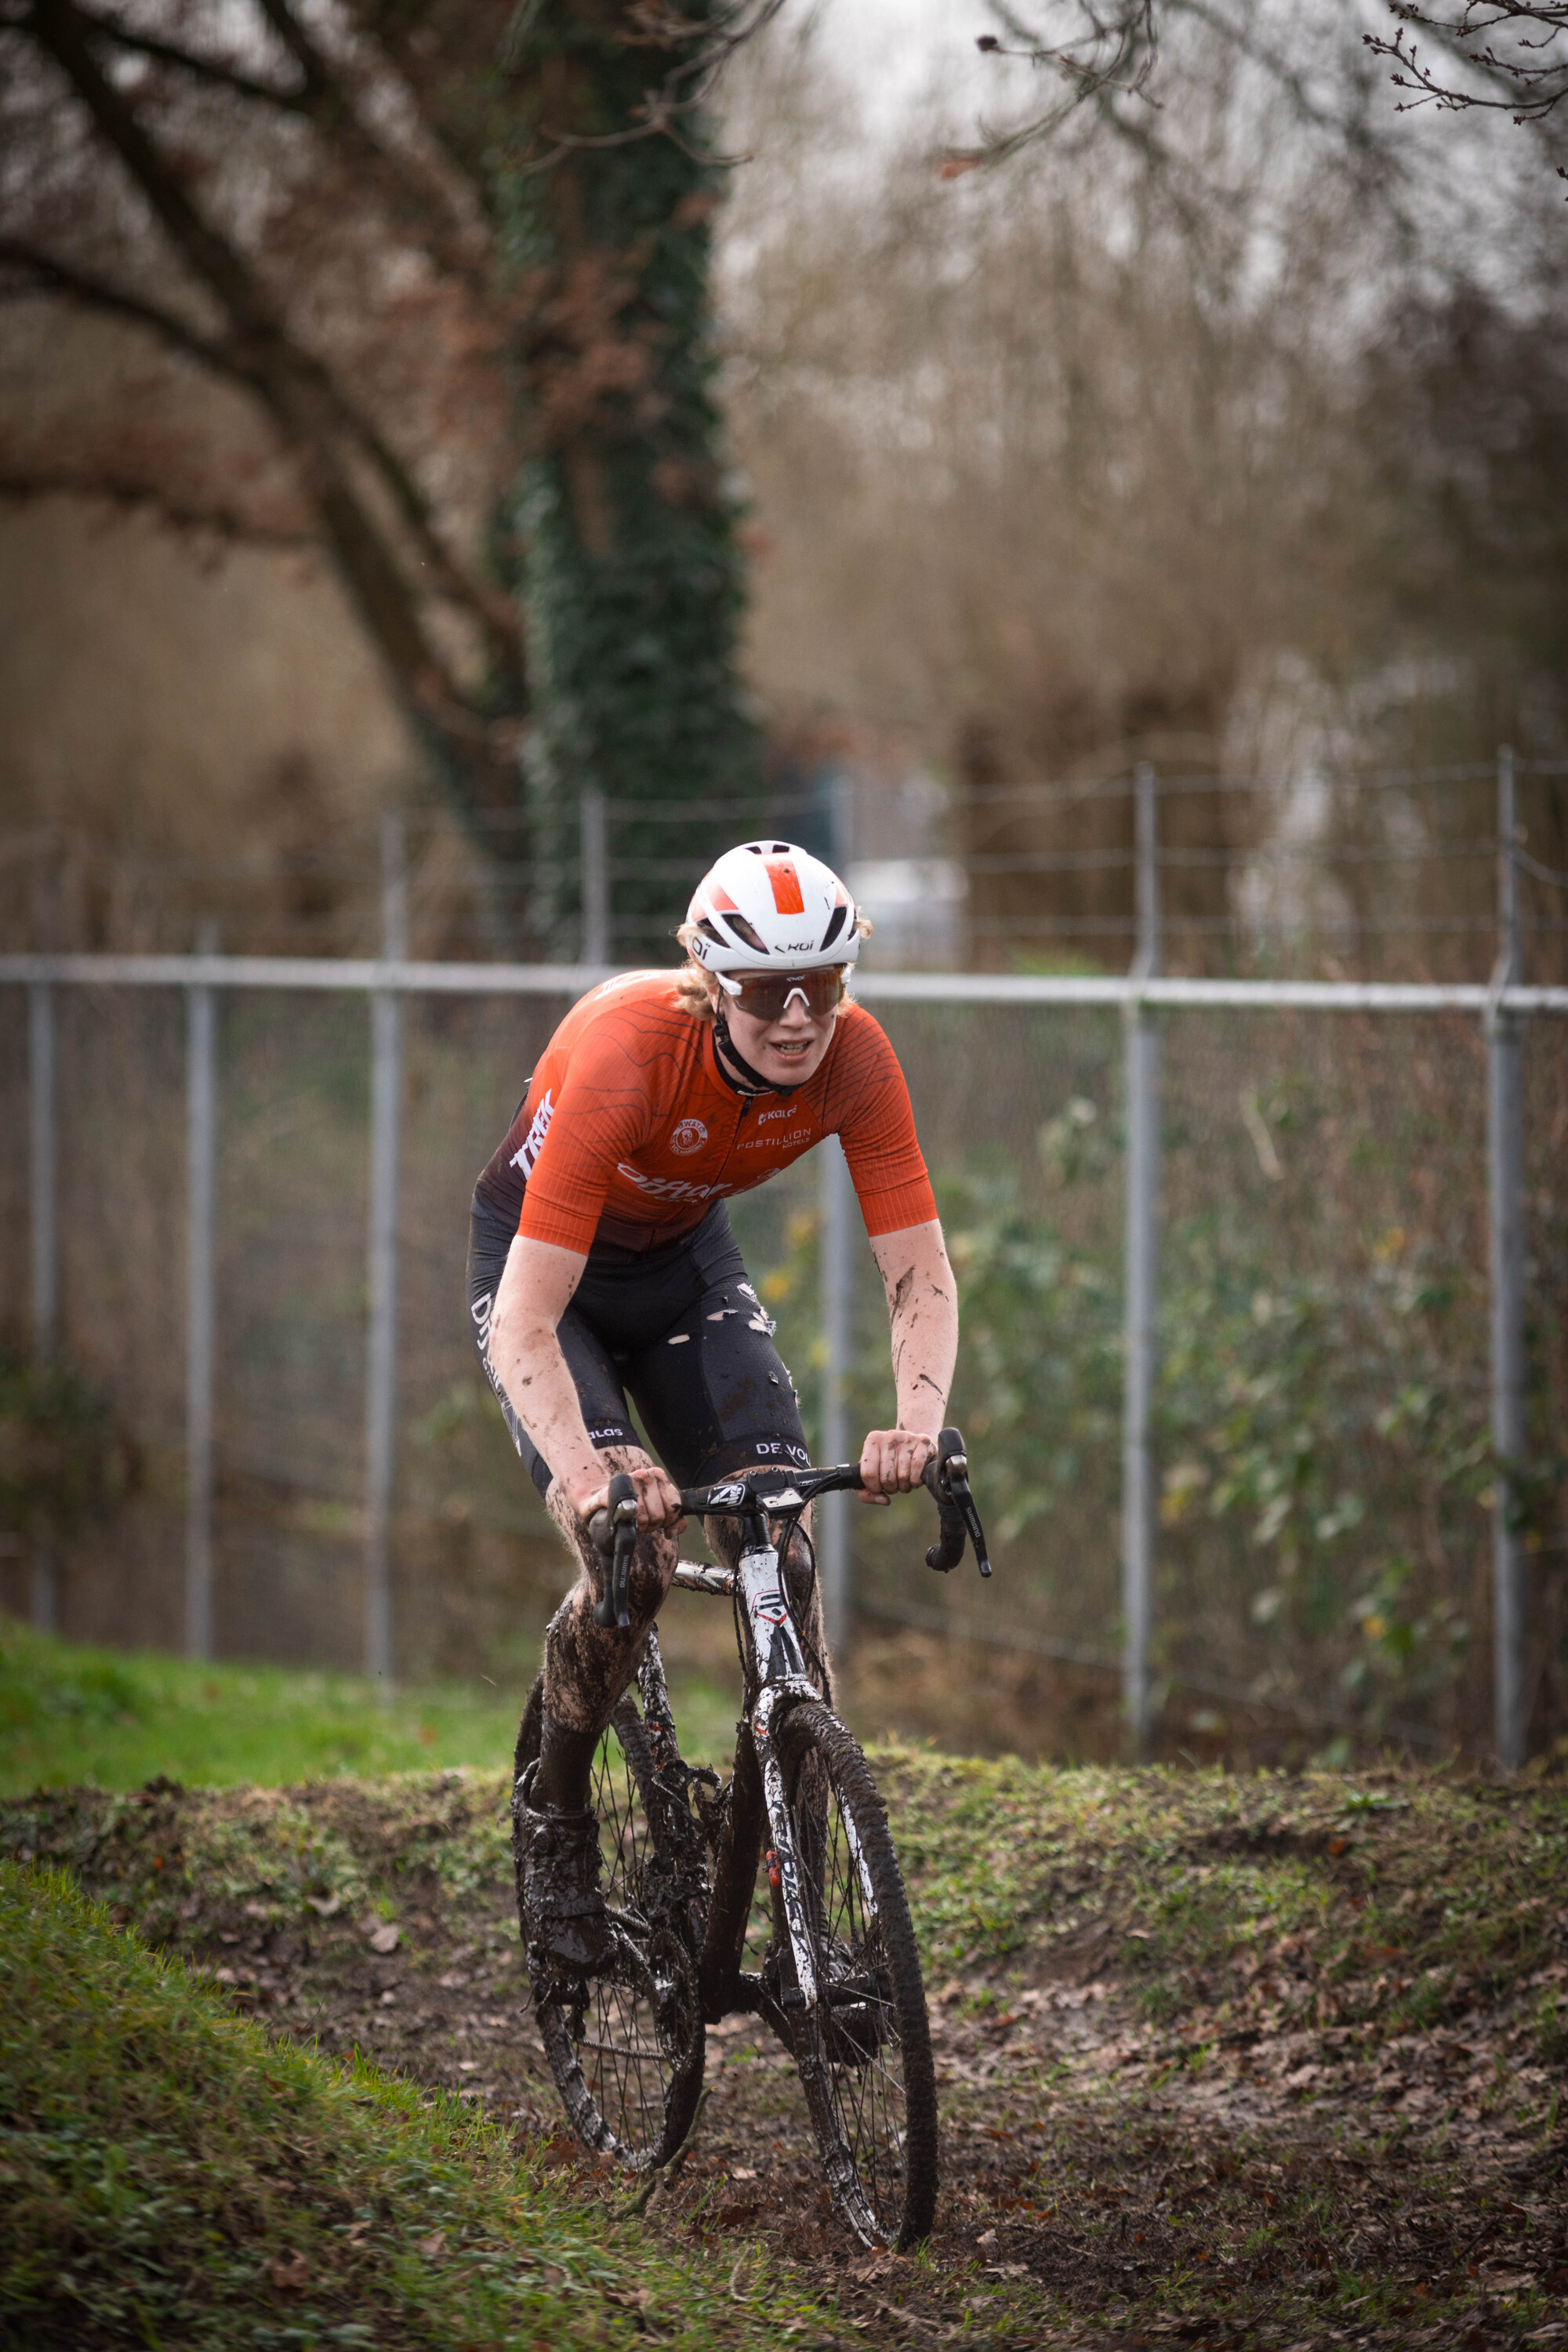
(896, 51)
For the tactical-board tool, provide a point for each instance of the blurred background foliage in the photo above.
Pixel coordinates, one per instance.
(63, 1463)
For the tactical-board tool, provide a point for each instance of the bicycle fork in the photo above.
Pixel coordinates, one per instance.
(782, 1666)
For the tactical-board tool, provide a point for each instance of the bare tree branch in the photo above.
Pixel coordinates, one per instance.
(308, 410)
(48, 274)
(1527, 75)
(190, 61)
(688, 84)
(21, 486)
(1109, 50)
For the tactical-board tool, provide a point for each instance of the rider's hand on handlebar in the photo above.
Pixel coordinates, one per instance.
(891, 1461)
(659, 1500)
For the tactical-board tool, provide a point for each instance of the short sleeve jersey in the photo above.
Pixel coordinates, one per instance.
(629, 1131)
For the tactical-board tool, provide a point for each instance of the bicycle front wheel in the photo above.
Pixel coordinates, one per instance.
(864, 2050)
(628, 2057)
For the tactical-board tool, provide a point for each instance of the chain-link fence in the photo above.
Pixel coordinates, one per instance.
(1328, 1516)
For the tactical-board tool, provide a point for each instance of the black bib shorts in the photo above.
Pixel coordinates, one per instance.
(678, 1330)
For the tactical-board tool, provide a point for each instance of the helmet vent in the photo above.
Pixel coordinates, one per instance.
(835, 925)
(746, 931)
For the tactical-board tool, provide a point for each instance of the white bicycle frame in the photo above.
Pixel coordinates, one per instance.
(780, 1668)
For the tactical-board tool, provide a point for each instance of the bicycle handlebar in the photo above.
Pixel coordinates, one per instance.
(784, 1492)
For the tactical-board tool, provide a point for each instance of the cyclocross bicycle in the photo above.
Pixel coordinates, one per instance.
(840, 1978)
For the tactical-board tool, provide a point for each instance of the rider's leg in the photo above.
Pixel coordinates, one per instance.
(586, 1666)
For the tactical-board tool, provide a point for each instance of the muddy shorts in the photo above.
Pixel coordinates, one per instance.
(678, 1331)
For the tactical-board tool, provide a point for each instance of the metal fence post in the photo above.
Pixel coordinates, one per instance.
(1505, 1202)
(838, 1207)
(44, 1237)
(596, 928)
(1142, 1258)
(201, 1264)
(381, 1343)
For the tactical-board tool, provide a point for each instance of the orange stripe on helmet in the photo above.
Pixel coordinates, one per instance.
(785, 883)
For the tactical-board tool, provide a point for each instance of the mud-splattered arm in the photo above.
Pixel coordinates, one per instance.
(922, 1316)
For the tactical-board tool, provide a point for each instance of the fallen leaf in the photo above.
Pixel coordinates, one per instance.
(384, 1937)
(294, 2275)
(874, 2265)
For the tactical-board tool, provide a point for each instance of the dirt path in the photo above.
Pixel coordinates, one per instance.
(1177, 2103)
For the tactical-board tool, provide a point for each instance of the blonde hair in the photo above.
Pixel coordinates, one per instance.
(690, 982)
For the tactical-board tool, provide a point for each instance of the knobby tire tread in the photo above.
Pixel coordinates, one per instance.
(813, 1726)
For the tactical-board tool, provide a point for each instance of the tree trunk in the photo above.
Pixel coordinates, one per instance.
(630, 573)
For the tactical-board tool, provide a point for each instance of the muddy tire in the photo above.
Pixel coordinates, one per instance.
(627, 2058)
(864, 2052)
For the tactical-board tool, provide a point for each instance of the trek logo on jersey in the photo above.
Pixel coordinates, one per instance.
(688, 1137)
(533, 1142)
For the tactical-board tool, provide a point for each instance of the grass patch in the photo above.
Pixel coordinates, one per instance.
(1263, 2061)
(71, 1714)
(170, 2175)
(1380, 1900)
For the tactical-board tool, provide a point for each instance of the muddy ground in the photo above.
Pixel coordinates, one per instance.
(1238, 2146)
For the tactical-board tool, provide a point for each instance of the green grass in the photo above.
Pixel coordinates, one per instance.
(71, 1714)
(1380, 1900)
(168, 2175)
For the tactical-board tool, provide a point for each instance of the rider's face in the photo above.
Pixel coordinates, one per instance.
(786, 1050)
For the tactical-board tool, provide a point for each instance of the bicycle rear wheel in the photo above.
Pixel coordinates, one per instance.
(864, 2051)
(628, 2055)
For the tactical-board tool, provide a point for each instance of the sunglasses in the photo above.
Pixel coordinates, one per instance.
(766, 995)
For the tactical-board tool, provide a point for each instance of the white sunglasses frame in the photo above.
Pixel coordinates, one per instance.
(733, 989)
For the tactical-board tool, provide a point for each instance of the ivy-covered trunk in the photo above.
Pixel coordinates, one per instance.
(630, 570)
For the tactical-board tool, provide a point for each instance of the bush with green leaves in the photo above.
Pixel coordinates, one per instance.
(1322, 1435)
(62, 1465)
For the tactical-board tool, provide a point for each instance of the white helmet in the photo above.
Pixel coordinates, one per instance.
(769, 903)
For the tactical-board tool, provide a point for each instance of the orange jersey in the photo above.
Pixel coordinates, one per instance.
(629, 1132)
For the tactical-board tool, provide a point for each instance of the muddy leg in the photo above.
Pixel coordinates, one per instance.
(586, 1667)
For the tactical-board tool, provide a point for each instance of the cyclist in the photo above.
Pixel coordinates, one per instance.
(602, 1265)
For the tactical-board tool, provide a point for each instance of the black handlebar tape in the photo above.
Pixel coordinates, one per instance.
(615, 1608)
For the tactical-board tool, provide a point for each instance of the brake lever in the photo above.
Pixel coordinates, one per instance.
(947, 1476)
(614, 1534)
(958, 1486)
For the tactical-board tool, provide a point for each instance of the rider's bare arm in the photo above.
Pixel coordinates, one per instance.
(535, 1293)
(923, 1311)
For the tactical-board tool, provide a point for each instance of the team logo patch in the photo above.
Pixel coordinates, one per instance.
(689, 1136)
